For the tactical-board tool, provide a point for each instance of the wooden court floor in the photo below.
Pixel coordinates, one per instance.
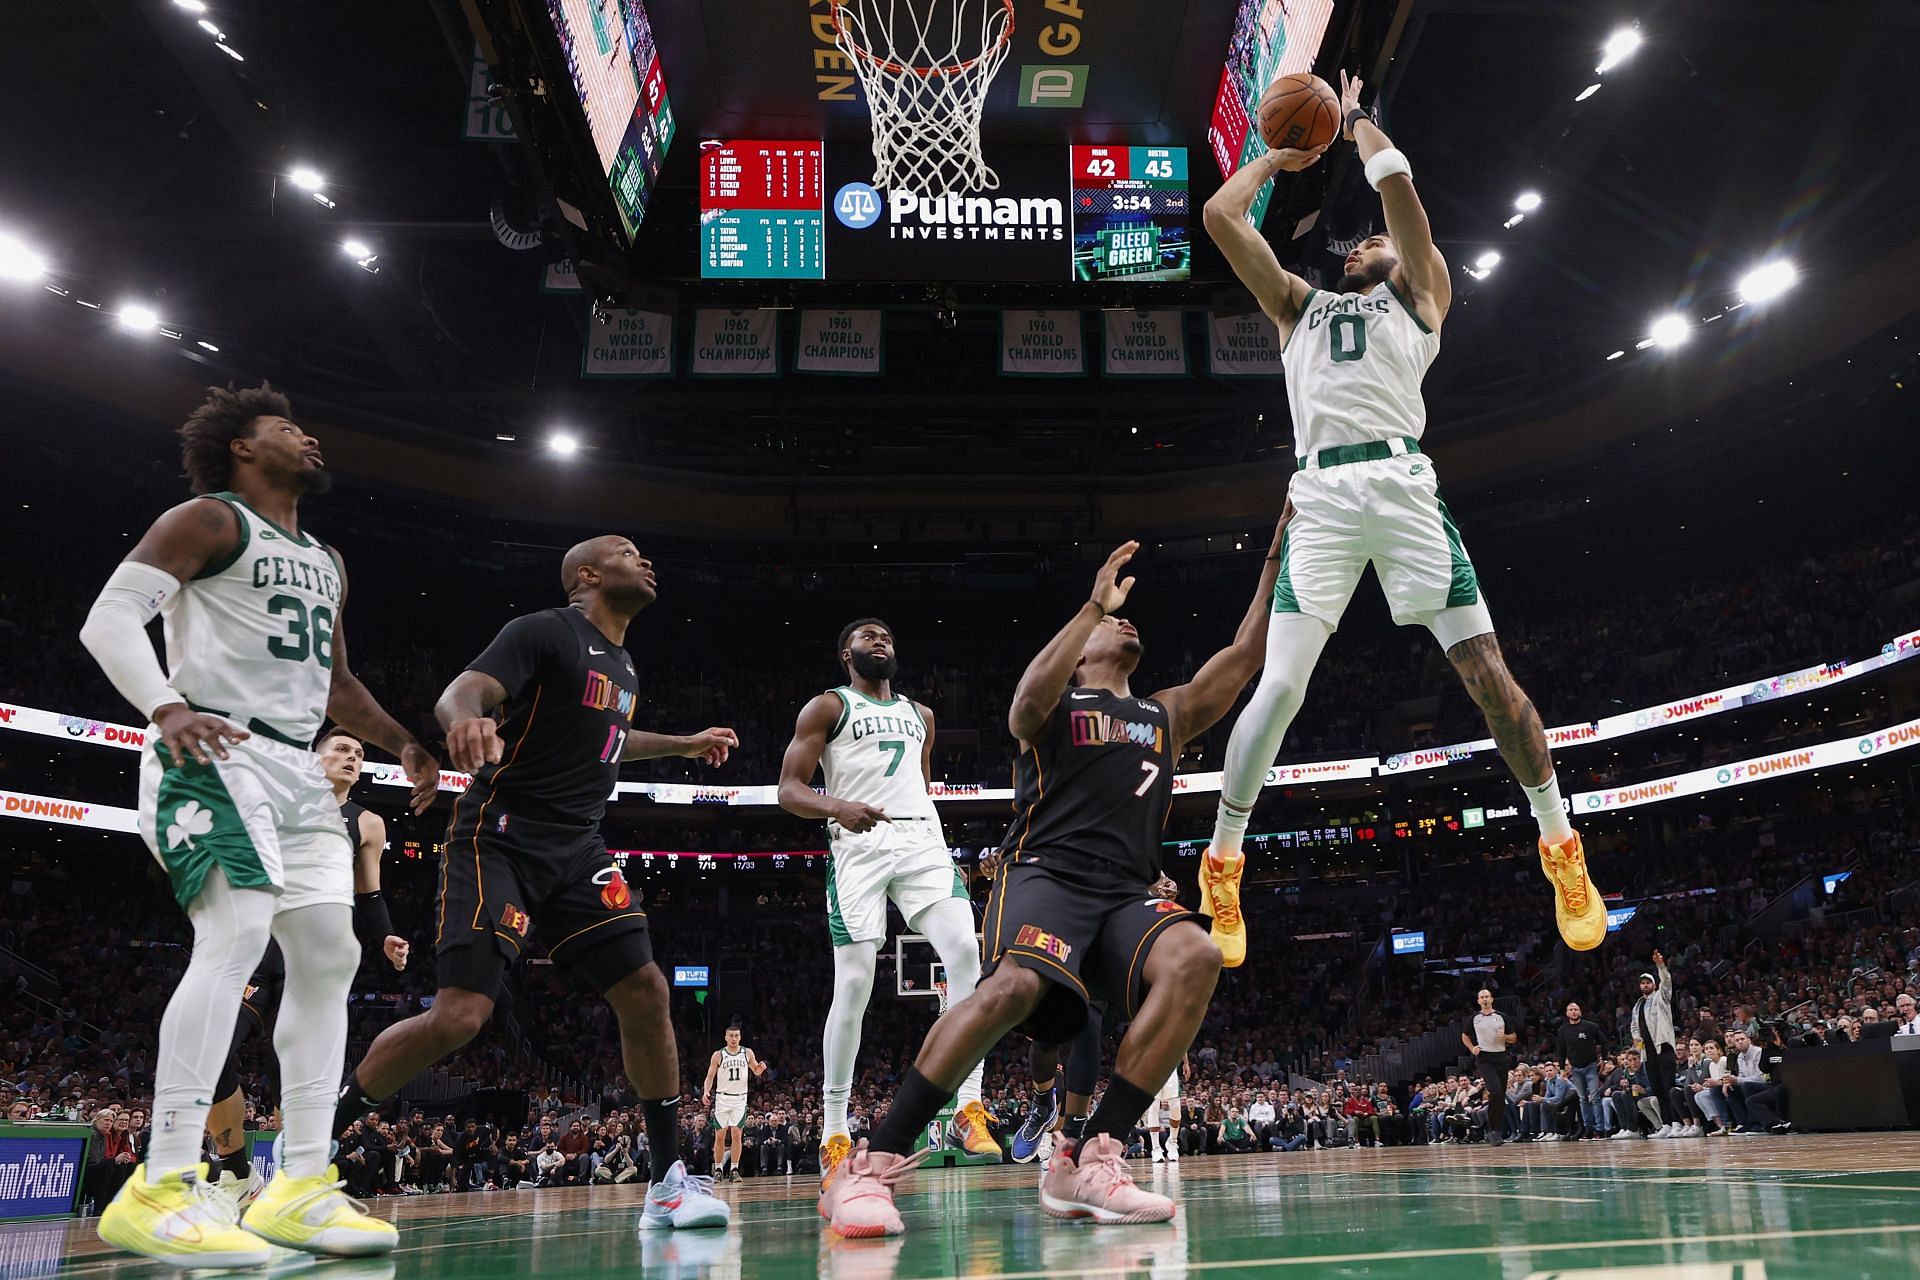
(1811, 1207)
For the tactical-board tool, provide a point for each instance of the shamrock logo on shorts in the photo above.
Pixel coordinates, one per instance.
(189, 820)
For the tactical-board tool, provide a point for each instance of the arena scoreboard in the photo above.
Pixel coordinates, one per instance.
(787, 210)
(619, 84)
(1270, 38)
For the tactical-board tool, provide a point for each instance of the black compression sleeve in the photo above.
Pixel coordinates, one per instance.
(371, 921)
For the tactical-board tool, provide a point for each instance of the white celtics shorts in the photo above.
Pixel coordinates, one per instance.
(1164, 1110)
(1386, 511)
(265, 816)
(730, 1110)
(905, 860)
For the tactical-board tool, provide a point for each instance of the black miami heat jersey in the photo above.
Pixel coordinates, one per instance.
(571, 694)
(1092, 793)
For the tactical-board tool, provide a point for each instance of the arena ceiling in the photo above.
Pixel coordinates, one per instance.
(156, 168)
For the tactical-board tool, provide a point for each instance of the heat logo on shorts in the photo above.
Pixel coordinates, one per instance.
(515, 919)
(1165, 906)
(1098, 729)
(615, 895)
(1040, 940)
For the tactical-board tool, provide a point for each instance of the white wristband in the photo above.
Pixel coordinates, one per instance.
(1385, 164)
(116, 634)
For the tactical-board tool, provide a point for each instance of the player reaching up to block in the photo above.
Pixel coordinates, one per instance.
(876, 749)
(235, 807)
(1072, 917)
(1354, 361)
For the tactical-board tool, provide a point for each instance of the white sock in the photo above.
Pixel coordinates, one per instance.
(1549, 810)
(948, 925)
(1294, 645)
(840, 1043)
(230, 930)
(310, 1035)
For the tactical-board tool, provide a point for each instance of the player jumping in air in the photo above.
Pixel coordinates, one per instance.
(525, 855)
(1354, 361)
(729, 1069)
(876, 748)
(236, 808)
(1073, 917)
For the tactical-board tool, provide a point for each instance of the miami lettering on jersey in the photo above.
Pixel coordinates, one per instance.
(1099, 729)
(280, 571)
(907, 726)
(602, 693)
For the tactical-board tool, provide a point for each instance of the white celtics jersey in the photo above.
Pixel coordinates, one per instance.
(1354, 365)
(251, 637)
(733, 1074)
(873, 756)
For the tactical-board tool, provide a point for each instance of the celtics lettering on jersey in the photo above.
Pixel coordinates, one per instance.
(1354, 365)
(873, 756)
(251, 636)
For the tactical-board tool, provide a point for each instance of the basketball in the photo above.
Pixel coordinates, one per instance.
(1299, 111)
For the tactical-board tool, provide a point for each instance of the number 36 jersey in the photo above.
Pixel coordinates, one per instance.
(251, 637)
(1354, 365)
(1092, 794)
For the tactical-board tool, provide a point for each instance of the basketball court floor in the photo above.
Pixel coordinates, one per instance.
(1813, 1207)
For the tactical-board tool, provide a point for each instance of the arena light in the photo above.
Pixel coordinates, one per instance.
(204, 345)
(1616, 355)
(230, 51)
(18, 262)
(1620, 46)
(306, 178)
(192, 6)
(1586, 93)
(357, 249)
(1670, 331)
(1527, 201)
(212, 30)
(562, 442)
(137, 317)
(1514, 221)
(1768, 281)
(1488, 260)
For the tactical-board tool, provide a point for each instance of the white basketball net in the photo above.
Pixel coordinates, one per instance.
(926, 66)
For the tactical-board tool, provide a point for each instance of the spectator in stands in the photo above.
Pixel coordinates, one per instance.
(516, 1165)
(436, 1160)
(1629, 1092)
(1360, 1117)
(1260, 1119)
(618, 1166)
(1652, 1028)
(1909, 1016)
(473, 1157)
(1766, 1107)
(1559, 1105)
(576, 1146)
(1577, 1044)
(550, 1167)
(1744, 1055)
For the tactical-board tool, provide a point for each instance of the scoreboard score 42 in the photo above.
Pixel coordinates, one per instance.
(1131, 213)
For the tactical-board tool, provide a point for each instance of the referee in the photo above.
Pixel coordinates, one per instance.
(1489, 1043)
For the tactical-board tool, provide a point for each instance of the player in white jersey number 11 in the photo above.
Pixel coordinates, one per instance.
(727, 1073)
(1364, 492)
(235, 806)
(875, 749)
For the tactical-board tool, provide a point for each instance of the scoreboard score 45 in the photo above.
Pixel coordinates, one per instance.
(1130, 213)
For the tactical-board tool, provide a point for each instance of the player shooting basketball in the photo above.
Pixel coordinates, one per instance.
(1354, 362)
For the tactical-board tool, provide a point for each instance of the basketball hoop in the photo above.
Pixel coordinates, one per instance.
(940, 988)
(926, 66)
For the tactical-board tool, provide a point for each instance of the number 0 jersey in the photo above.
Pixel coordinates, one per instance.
(251, 636)
(1354, 365)
(1093, 792)
(873, 756)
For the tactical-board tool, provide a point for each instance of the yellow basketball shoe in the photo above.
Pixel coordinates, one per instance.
(833, 1152)
(975, 1133)
(1577, 906)
(1220, 899)
(180, 1221)
(314, 1215)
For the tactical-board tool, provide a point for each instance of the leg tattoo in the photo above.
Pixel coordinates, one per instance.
(1510, 715)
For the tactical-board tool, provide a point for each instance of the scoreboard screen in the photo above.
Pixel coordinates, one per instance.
(1270, 38)
(617, 79)
(803, 210)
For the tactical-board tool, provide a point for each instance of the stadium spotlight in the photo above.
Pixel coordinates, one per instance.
(204, 345)
(192, 6)
(1616, 355)
(1620, 46)
(18, 262)
(137, 317)
(1527, 201)
(1669, 331)
(562, 442)
(230, 51)
(306, 178)
(1514, 221)
(1586, 93)
(1488, 260)
(356, 248)
(212, 29)
(1768, 281)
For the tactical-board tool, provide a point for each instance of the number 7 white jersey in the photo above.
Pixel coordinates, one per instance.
(873, 756)
(1354, 366)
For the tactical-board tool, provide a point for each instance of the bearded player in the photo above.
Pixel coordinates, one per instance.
(876, 750)
(1354, 362)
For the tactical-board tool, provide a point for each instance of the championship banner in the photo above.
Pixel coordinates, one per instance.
(560, 277)
(1041, 344)
(1145, 344)
(631, 344)
(735, 344)
(68, 813)
(843, 342)
(1781, 763)
(1243, 346)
